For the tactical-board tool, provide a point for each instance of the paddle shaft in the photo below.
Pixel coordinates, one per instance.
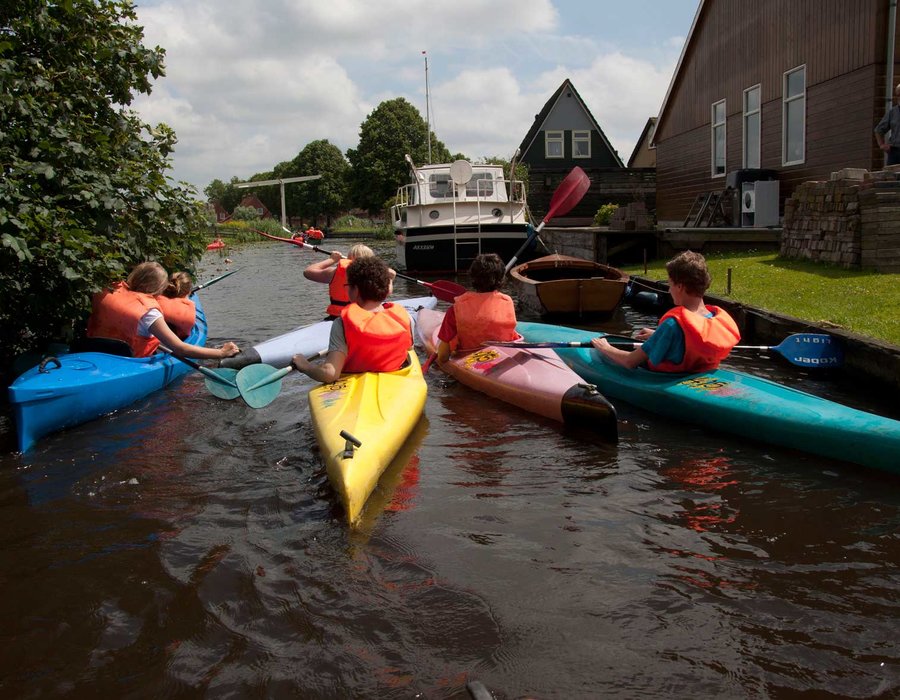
(200, 368)
(213, 280)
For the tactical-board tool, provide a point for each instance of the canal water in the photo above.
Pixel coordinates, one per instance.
(192, 547)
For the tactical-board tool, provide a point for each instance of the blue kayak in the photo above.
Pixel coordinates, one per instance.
(735, 402)
(80, 386)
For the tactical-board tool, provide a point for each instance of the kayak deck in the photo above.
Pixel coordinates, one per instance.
(737, 403)
(535, 380)
(377, 410)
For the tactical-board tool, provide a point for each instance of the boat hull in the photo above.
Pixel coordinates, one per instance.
(305, 340)
(535, 380)
(737, 403)
(87, 385)
(441, 249)
(564, 285)
(379, 410)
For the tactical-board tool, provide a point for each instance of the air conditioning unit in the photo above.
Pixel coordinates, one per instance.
(759, 203)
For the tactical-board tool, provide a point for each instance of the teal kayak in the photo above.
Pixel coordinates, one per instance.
(736, 402)
(72, 388)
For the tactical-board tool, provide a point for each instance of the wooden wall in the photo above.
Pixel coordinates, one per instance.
(739, 44)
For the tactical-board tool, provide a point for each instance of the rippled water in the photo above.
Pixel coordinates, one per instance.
(191, 547)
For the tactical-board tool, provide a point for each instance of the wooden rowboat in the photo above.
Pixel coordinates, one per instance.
(564, 285)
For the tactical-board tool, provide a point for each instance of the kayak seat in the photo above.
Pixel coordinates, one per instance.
(111, 346)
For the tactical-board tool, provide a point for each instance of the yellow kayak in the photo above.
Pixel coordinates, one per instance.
(361, 422)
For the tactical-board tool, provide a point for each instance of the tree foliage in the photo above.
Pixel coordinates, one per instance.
(393, 129)
(326, 196)
(83, 193)
(224, 193)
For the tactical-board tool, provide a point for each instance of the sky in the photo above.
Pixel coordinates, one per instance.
(248, 85)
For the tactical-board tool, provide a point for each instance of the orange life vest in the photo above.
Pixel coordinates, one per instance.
(337, 289)
(116, 313)
(180, 314)
(315, 234)
(707, 341)
(484, 316)
(377, 341)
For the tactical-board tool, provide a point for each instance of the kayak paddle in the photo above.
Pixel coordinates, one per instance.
(801, 349)
(259, 384)
(213, 280)
(220, 382)
(566, 196)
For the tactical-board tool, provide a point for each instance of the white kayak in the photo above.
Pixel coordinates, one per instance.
(307, 340)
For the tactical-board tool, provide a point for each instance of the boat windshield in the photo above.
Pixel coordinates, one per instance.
(440, 186)
(481, 185)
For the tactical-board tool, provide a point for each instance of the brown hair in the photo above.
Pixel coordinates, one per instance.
(180, 284)
(487, 272)
(371, 277)
(149, 278)
(689, 269)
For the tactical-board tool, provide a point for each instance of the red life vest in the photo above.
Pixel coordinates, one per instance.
(337, 289)
(116, 314)
(484, 316)
(377, 341)
(707, 341)
(180, 314)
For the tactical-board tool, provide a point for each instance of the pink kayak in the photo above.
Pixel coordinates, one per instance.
(532, 379)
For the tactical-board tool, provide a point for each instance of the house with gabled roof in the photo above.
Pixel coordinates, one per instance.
(644, 153)
(565, 134)
(786, 91)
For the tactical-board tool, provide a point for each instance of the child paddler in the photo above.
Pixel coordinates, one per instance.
(333, 272)
(480, 316)
(179, 312)
(370, 335)
(691, 337)
(130, 312)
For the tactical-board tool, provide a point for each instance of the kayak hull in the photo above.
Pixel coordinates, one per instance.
(536, 380)
(378, 410)
(738, 403)
(86, 385)
(305, 340)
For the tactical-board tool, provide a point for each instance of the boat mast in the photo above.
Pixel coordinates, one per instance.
(427, 109)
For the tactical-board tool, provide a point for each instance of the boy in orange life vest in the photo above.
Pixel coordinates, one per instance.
(691, 337)
(480, 316)
(130, 312)
(333, 272)
(179, 312)
(371, 335)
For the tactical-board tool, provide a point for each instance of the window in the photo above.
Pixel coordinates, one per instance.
(752, 117)
(439, 185)
(553, 144)
(793, 128)
(481, 185)
(718, 139)
(581, 144)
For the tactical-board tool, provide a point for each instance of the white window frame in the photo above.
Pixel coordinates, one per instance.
(785, 102)
(714, 125)
(581, 136)
(555, 137)
(750, 113)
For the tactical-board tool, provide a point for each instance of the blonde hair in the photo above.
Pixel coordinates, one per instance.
(360, 250)
(180, 284)
(148, 278)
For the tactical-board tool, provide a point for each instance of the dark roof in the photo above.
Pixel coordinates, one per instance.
(541, 117)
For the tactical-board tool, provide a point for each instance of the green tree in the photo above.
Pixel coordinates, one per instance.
(326, 196)
(83, 193)
(225, 194)
(395, 128)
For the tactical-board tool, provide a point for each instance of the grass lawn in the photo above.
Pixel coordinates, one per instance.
(860, 301)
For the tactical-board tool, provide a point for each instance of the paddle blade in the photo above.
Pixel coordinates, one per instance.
(254, 387)
(446, 290)
(568, 194)
(225, 387)
(816, 350)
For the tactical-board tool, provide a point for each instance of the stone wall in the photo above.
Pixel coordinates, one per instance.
(853, 220)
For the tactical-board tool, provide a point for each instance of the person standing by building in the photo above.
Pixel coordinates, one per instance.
(890, 122)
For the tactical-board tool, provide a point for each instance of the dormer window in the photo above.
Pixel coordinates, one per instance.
(581, 144)
(553, 144)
